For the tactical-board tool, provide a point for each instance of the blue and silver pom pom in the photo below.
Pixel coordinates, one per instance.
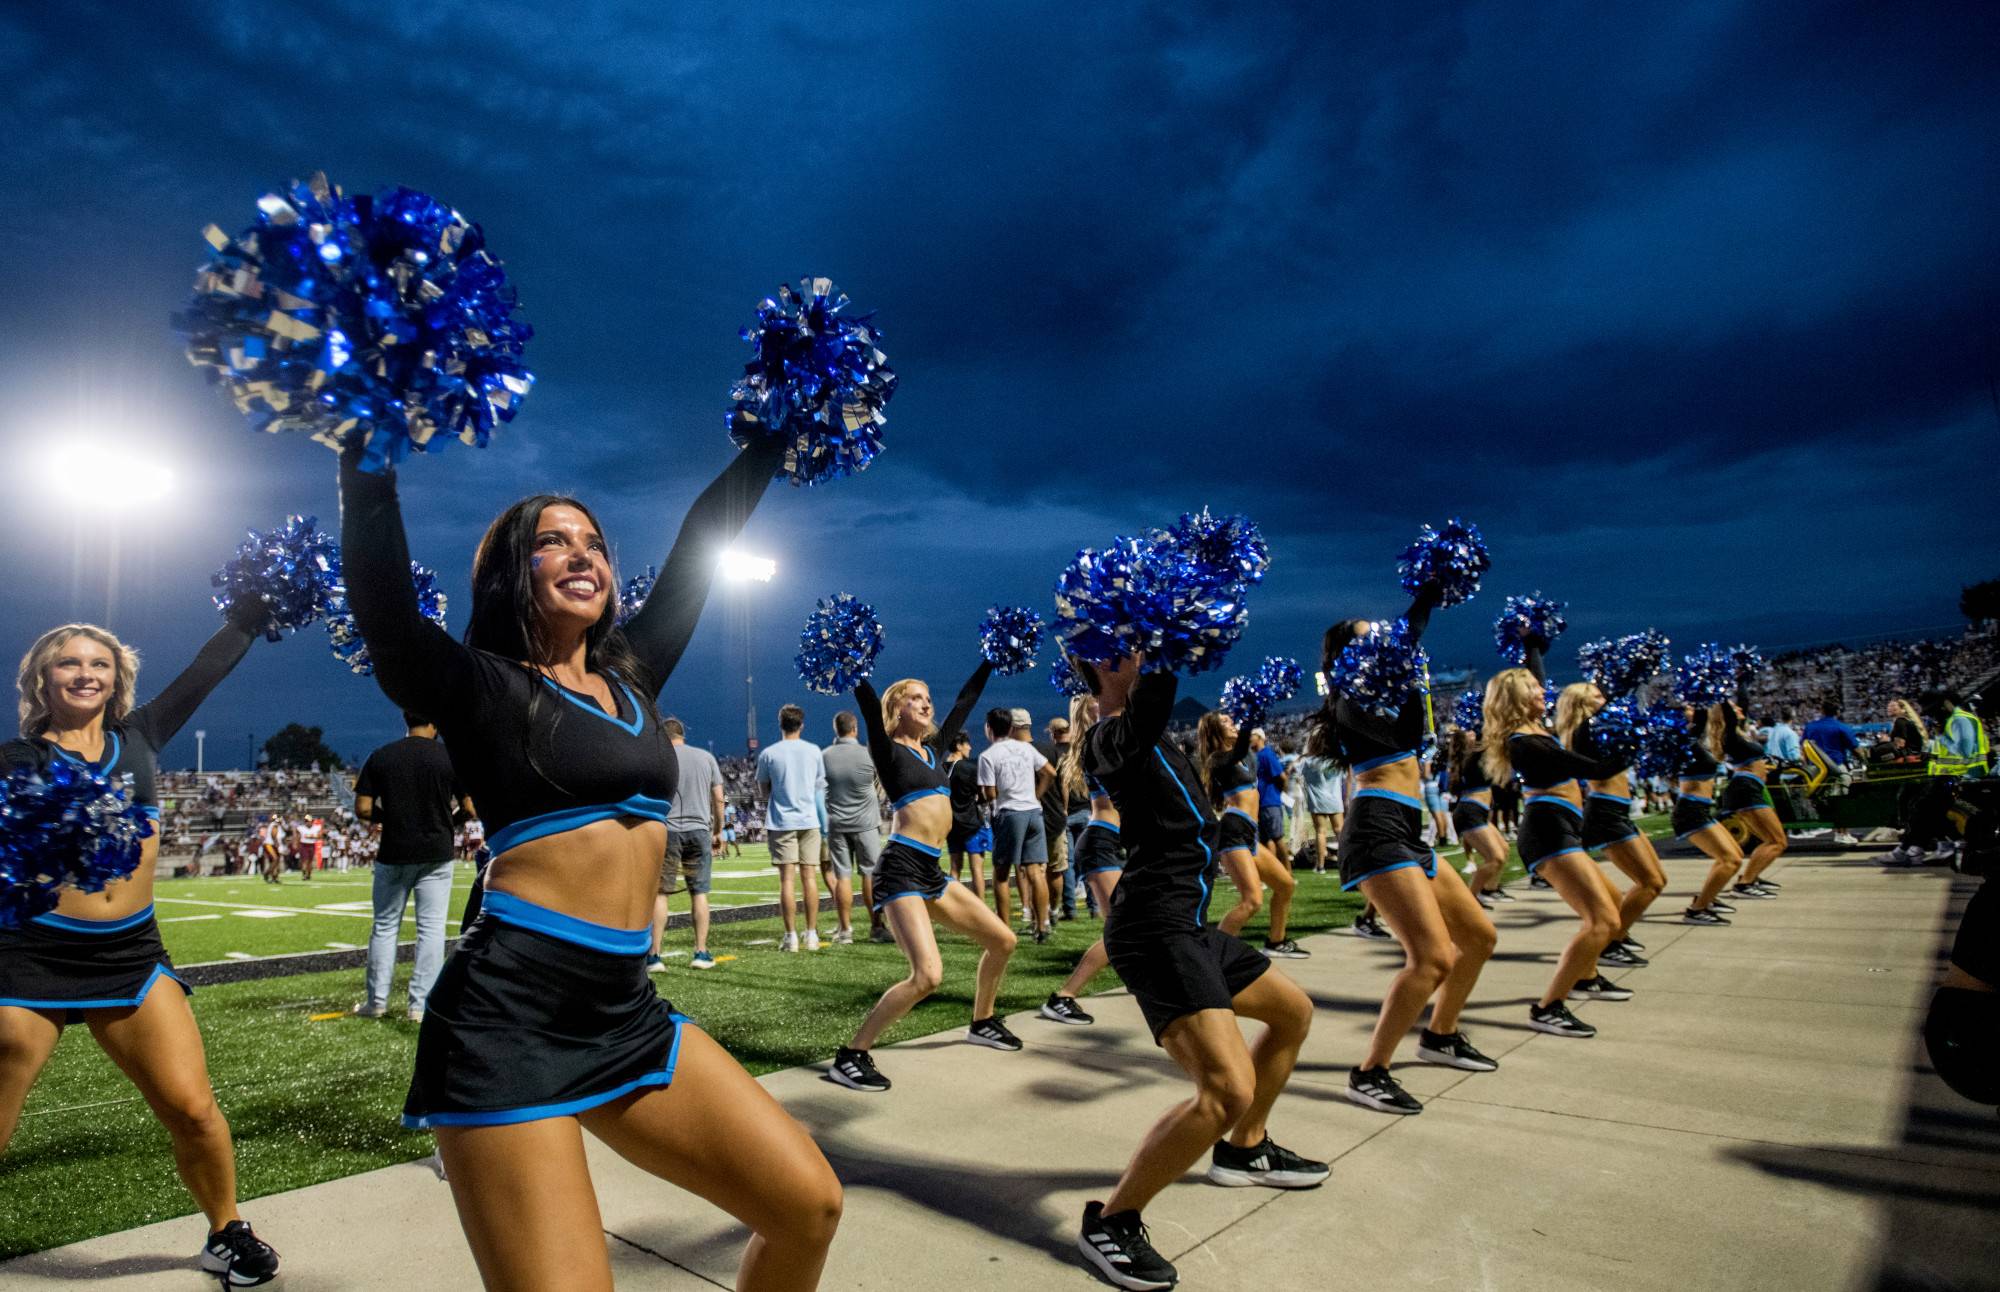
(818, 382)
(1707, 675)
(1622, 665)
(634, 594)
(838, 647)
(381, 319)
(289, 572)
(1279, 678)
(1551, 696)
(1521, 618)
(1617, 731)
(1223, 550)
(1065, 679)
(1010, 637)
(1244, 701)
(66, 828)
(1452, 557)
(1749, 663)
(345, 637)
(1468, 712)
(1176, 594)
(1382, 671)
(1666, 746)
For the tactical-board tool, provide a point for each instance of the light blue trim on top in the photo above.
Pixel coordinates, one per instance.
(1240, 812)
(1384, 761)
(70, 924)
(1738, 775)
(548, 823)
(1208, 853)
(914, 795)
(1430, 867)
(159, 971)
(918, 844)
(1372, 792)
(1095, 824)
(588, 705)
(1556, 799)
(568, 1107)
(112, 751)
(1696, 798)
(523, 914)
(1610, 798)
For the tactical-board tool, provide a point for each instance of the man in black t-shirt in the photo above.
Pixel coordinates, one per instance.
(408, 789)
(1055, 820)
(967, 817)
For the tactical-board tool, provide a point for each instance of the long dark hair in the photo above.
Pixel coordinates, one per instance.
(504, 621)
(1322, 736)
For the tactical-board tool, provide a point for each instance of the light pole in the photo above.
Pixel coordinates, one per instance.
(200, 743)
(134, 479)
(739, 567)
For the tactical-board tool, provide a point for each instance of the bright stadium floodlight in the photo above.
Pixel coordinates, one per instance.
(83, 473)
(740, 567)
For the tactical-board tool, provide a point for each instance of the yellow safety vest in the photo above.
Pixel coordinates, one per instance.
(1945, 763)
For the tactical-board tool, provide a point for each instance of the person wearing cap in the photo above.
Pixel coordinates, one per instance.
(1013, 776)
(1056, 821)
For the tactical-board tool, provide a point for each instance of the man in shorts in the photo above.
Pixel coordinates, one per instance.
(1012, 776)
(694, 831)
(968, 818)
(1055, 821)
(853, 828)
(792, 775)
(1271, 782)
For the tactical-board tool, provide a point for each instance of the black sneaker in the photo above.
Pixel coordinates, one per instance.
(1771, 884)
(1371, 928)
(1615, 954)
(992, 1033)
(239, 1257)
(1064, 1009)
(1452, 1050)
(1599, 988)
(1116, 1248)
(1485, 900)
(1721, 907)
(880, 933)
(1266, 1164)
(1502, 895)
(1556, 1020)
(855, 1069)
(1632, 943)
(1535, 880)
(1752, 892)
(1707, 916)
(1041, 936)
(1377, 1089)
(1289, 949)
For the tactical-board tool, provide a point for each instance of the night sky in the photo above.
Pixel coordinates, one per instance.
(1691, 307)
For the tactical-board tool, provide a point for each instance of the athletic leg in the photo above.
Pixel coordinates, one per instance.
(1725, 859)
(1101, 884)
(1277, 876)
(1209, 1047)
(1405, 900)
(1471, 931)
(787, 895)
(526, 1205)
(1641, 864)
(1241, 866)
(1590, 895)
(27, 1038)
(910, 922)
(960, 911)
(1771, 841)
(1286, 1013)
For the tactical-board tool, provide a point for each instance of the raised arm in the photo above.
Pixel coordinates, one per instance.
(870, 705)
(660, 632)
(968, 696)
(1531, 659)
(161, 718)
(1418, 616)
(417, 664)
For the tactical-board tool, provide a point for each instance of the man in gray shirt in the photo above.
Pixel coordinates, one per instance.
(694, 831)
(853, 828)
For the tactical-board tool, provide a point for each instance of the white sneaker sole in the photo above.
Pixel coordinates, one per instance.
(1368, 1101)
(845, 1082)
(1102, 1264)
(1231, 1178)
(1064, 1019)
(1444, 1060)
(1591, 995)
(991, 1044)
(1557, 1029)
(218, 1266)
(1285, 955)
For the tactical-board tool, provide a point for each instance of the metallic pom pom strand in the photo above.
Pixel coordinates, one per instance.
(63, 828)
(1707, 675)
(344, 635)
(634, 594)
(1010, 637)
(1244, 701)
(288, 572)
(838, 645)
(1617, 730)
(1452, 557)
(1524, 617)
(1065, 679)
(1666, 746)
(1469, 710)
(1381, 671)
(1279, 677)
(818, 382)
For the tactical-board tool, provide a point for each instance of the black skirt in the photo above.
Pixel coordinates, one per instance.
(1182, 972)
(908, 868)
(1383, 831)
(1692, 815)
(1098, 848)
(1745, 792)
(1468, 815)
(1550, 827)
(528, 1022)
(66, 965)
(1607, 819)
(1238, 833)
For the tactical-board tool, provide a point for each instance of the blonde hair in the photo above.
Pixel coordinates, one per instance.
(33, 682)
(1721, 721)
(1911, 712)
(1209, 745)
(892, 700)
(1572, 709)
(1080, 723)
(1513, 701)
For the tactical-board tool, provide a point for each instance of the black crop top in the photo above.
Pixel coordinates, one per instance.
(906, 774)
(537, 758)
(133, 743)
(1738, 749)
(1470, 774)
(1368, 740)
(1699, 765)
(1228, 771)
(1543, 764)
(1167, 826)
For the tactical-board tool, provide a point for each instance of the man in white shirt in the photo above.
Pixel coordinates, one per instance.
(1012, 777)
(792, 774)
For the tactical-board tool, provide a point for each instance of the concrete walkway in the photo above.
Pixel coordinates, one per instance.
(1761, 1116)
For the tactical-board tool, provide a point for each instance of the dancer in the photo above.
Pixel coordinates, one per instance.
(1746, 796)
(97, 957)
(1472, 815)
(903, 744)
(1223, 746)
(1446, 937)
(1099, 861)
(1192, 980)
(545, 1022)
(1693, 821)
(1607, 824)
(1551, 838)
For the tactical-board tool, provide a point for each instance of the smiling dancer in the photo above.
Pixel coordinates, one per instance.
(1446, 937)
(910, 888)
(1099, 861)
(1224, 748)
(1607, 824)
(1747, 797)
(545, 1022)
(96, 959)
(1192, 981)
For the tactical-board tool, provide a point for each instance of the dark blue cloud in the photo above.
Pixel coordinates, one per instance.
(1692, 306)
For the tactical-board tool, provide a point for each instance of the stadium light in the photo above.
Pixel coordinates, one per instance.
(741, 567)
(85, 473)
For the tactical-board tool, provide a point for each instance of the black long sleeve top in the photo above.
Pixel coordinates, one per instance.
(1167, 825)
(537, 757)
(1543, 764)
(1368, 740)
(907, 774)
(1228, 770)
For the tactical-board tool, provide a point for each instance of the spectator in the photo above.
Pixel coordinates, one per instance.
(1270, 798)
(968, 818)
(1908, 739)
(1834, 738)
(1322, 786)
(1055, 820)
(1013, 775)
(854, 827)
(793, 775)
(408, 789)
(1783, 742)
(694, 831)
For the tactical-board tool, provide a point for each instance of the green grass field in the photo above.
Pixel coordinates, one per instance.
(312, 1094)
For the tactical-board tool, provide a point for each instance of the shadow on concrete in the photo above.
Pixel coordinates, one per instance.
(78, 1269)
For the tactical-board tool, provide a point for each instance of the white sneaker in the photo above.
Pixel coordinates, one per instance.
(1844, 839)
(843, 937)
(812, 940)
(790, 942)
